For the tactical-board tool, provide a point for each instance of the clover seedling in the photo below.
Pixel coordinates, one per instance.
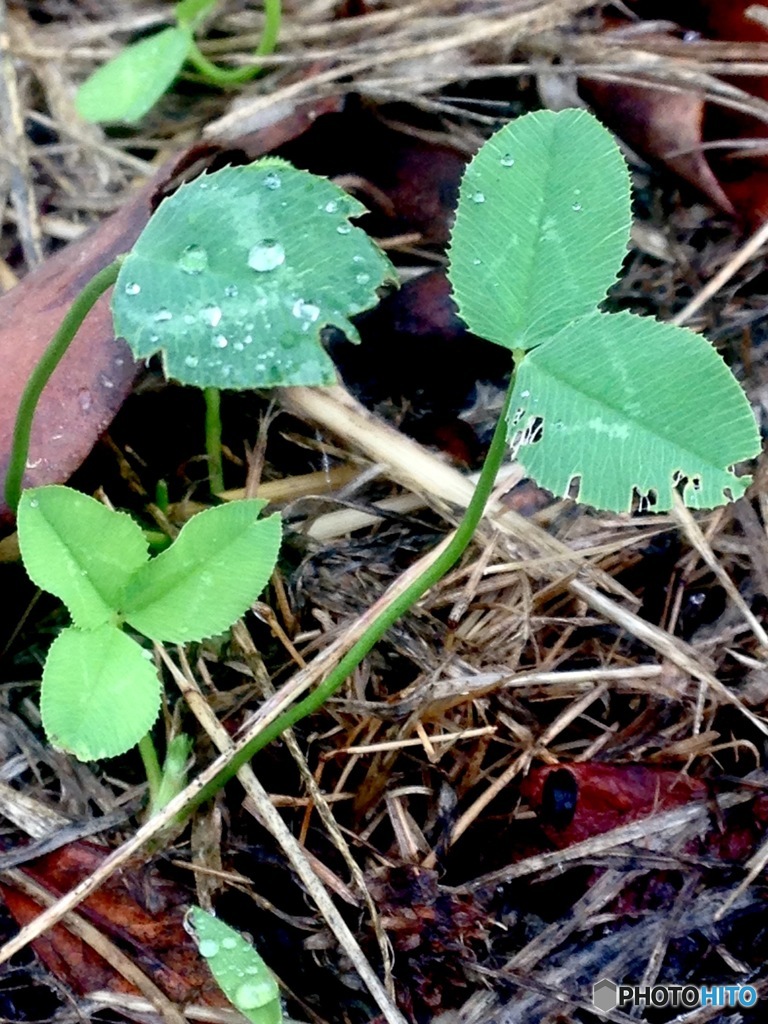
(101, 692)
(127, 87)
(611, 406)
(240, 972)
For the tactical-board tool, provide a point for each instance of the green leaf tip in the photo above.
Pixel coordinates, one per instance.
(128, 86)
(621, 406)
(541, 228)
(240, 972)
(238, 272)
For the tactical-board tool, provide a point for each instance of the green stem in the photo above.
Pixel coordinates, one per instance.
(448, 557)
(41, 374)
(223, 77)
(152, 768)
(213, 439)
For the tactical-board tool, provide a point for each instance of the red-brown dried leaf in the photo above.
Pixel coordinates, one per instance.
(603, 797)
(663, 125)
(137, 910)
(676, 127)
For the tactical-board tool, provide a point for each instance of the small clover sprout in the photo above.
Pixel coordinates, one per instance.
(101, 692)
(128, 86)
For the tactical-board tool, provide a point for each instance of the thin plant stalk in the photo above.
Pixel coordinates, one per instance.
(41, 374)
(152, 768)
(223, 77)
(213, 439)
(441, 565)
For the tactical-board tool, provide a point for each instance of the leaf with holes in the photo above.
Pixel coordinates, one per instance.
(237, 273)
(79, 550)
(100, 694)
(240, 972)
(541, 228)
(210, 575)
(128, 86)
(620, 405)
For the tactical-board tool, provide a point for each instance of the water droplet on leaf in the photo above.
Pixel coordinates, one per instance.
(163, 314)
(211, 315)
(220, 341)
(331, 206)
(208, 948)
(344, 229)
(231, 291)
(305, 310)
(251, 994)
(266, 255)
(193, 259)
(191, 361)
(576, 207)
(478, 197)
(132, 288)
(272, 181)
(363, 278)
(507, 160)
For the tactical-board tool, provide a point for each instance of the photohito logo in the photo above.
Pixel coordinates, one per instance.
(607, 995)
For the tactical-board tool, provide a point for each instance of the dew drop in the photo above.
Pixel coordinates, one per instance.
(191, 361)
(266, 255)
(34, 503)
(132, 288)
(251, 994)
(230, 942)
(344, 229)
(238, 346)
(576, 207)
(84, 399)
(331, 206)
(32, 463)
(211, 315)
(476, 261)
(525, 394)
(231, 291)
(305, 310)
(208, 948)
(163, 314)
(106, 382)
(193, 259)
(507, 160)
(363, 278)
(357, 259)
(220, 341)
(478, 197)
(272, 181)
(248, 339)
(188, 319)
